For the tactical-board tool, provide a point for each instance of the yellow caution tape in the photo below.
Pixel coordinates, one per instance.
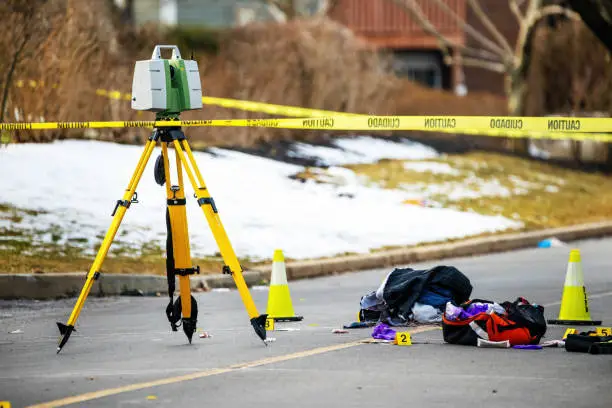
(515, 127)
(571, 128)
(259, 107)
(270, 108)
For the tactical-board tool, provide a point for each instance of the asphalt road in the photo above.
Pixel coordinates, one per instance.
(124, 354)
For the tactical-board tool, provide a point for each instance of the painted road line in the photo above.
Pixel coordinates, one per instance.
(216, 371)
(207, 373)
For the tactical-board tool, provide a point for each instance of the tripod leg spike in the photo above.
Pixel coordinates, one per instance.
(120, 210)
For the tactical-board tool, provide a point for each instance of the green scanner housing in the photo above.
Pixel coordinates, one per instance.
(166, 86)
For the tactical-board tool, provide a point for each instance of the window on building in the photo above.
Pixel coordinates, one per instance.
(422, 67)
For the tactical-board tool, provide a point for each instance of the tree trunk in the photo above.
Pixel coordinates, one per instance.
(596, 14)
(9, 77)
(515, 93)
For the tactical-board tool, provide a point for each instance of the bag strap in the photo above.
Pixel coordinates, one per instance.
(173, 310)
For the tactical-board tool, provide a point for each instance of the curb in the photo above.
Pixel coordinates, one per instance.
(56, 286)
(69, 285)
(469, 247)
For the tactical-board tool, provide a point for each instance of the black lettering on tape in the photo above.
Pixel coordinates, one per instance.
(136, 124)
(440, 123)
(15, 126)
(268, 123)
(377, 122)
(564, 124)
(196, 122)
(73, 125)
(500, 123)
(326, 123)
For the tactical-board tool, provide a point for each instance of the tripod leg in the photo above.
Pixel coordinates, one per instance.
(225, 247)
(94, 271)
(179, 237)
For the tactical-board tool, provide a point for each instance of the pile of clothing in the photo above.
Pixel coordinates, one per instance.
(407, 295)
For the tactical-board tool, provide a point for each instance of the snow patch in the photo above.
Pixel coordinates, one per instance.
(78, 182)
(363, 149)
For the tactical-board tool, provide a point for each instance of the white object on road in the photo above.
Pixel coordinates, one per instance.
(493, 344)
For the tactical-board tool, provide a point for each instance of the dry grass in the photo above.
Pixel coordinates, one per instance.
(540, 195)
(23, 252)
(313, 63)
(571, 72)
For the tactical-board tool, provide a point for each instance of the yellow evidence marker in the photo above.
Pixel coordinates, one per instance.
(270, 324)
(569, 331)
(403, 339)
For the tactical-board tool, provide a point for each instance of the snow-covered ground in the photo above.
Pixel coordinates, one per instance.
(363, 149)
(77, 184)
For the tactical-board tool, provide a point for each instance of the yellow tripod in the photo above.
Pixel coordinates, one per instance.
(178, 249)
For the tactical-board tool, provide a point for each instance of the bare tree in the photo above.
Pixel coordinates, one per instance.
(597, 15)
(283, 10)
(26, 29)
(494, 52)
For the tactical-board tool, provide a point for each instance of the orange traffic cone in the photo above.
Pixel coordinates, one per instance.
(574, 301)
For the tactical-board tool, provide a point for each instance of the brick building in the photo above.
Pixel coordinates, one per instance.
(417, 54)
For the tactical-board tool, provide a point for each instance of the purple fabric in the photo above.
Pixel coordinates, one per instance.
(473, 310)
(383, 332)
(457, 313)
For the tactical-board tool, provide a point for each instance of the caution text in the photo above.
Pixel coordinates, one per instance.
(564, 124)
(440, 123)
(506, 124)
(326, 123)
(384, 123)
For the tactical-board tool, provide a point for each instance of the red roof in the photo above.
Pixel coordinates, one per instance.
(384, 23)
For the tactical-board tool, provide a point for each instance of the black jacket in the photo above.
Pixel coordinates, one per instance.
(404, 287)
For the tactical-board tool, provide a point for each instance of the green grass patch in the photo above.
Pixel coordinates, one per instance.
(24, 251)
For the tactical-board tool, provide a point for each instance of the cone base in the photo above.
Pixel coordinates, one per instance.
(576, 322)
(288, 319)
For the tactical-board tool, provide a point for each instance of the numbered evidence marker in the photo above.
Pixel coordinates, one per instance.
(604, 331)
(403, 339)
(569, 331)
(270, 324)
(5, 404)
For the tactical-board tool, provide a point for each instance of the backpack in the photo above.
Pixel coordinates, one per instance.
(521, 323)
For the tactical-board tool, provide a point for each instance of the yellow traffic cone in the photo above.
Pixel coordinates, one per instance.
(574, 301)
(280, 307)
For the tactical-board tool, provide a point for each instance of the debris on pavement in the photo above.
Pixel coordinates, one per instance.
(551, 243)
(519, 322)
(382, 331)
(588, 342)
(339, 331)
(18, 331)
(205, 335)
(553, 343)
(527, 347)
(492, 344)
(409, 296)
(358, 325)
